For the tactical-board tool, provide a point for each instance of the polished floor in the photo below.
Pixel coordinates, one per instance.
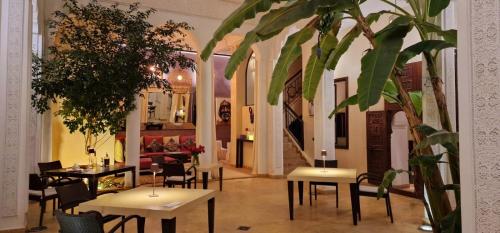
(261, 204)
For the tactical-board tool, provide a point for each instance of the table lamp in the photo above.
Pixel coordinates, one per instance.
(323, 156)
(154, 168)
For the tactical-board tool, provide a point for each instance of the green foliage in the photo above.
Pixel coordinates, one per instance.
(416, 100)
(247, 10)
(353, 100)
(426, 163)
(449, 36)
(436, 6)
(419, 47)
(316, 65)
(452, 223)
(440, 137)
(101, 58)
(289, 53)
(378, 63)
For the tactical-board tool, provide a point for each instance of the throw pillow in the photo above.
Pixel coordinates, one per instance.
(155, 146)
(190, 143)
(167, 139)
(172, 145)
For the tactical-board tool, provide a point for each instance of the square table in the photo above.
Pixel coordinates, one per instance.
(170, 203)
(316, 174)
(93, 174)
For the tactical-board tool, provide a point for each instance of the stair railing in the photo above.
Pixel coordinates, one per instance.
(294, 125)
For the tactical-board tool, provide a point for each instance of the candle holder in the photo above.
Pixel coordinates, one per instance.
(154, 168)
(323, 156)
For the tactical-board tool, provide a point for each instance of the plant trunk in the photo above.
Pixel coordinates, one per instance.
(439, 201)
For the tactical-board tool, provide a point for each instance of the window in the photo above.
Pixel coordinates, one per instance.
(342, 116)
(250, 80)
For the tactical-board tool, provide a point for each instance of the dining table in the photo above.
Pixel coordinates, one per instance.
(318, 174)
(92, 174)
(167, 204)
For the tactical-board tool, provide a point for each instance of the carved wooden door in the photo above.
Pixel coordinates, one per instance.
(378, 147)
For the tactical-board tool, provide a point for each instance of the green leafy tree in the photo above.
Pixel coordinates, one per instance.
(381, 69)
(101, 58)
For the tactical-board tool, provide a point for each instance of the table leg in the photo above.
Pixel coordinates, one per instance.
(211, 215)
(354, 203)
(290, 198)
(168, 225)
(133, 177)
(141, 222)
(239, 154)
(301, 192)
(221, 171)
(205, 179)
(93, 181)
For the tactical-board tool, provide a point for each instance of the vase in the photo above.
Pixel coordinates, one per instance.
(196, 159)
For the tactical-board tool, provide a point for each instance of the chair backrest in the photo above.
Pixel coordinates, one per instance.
(49, 166)
(90, 222)
(328, 163)
(71, 195)
(369, 176)
(174, 169)
(36, 182)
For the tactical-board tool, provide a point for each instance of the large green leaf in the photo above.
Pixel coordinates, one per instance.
(347, 40)
(390, 92)
(289, 53)
(449, 36)
(426, 129)
(452, 223)
(377, 64)
(422, 46)
(426, 163)
(416, 100)
(441, 137)
(316, 65)
(247, 10)
(274, 22)
(436, 6)
(353, 100)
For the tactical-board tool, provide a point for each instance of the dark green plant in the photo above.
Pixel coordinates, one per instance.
(101, 59)
(381, 69)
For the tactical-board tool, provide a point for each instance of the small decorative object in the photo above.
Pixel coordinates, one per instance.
(195, 154)
(92, 155)
(323, 156)
(250, 109)
(224, 110)
(106, 160)
(154, 168)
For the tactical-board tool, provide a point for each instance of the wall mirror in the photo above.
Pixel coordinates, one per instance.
(342, 117)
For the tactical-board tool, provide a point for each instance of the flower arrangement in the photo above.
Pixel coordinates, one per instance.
(195, 152)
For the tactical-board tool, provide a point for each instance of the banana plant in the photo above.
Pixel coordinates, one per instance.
(381, 69)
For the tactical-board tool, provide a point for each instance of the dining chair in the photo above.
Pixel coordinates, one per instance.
(175, 174)
(55, 181)
(92, 222)
(39, 191)
(71, 195)
(372, 191)
(328, 164)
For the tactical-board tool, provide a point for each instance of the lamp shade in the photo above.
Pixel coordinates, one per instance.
(155, 167)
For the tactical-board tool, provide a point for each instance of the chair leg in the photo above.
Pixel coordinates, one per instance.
(189, 185)
(184, 185)
(123, 226)
(337, 195)
(315, 193)
(310, 194)
(141, 221)
(387, 206)
(359, 207)
(42, 211)
(390, 208)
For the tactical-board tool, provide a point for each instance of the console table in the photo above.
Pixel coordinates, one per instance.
(239, 151)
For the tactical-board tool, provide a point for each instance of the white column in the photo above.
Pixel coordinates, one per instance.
(479, 111)
(132, 141)
(205, 111)
(261, 141)
(324, 128)
(15, 111)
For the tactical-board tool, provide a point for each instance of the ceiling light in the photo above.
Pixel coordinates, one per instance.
(179, 77)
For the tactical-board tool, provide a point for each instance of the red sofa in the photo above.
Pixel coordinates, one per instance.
(146, 157)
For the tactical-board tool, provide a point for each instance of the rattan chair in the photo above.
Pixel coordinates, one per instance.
(328, 164)
(372, 191)
(92, 222)
(55, 181)
(174, 174)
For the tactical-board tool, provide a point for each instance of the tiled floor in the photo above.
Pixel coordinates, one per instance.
(261, 204)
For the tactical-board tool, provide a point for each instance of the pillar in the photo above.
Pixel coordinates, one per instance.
(205, 111)
(132, 143)
(479, 111)
(324, 128)
(15, 111)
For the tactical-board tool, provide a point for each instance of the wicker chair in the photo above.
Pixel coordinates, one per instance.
(174, 174)
(372, 191)
(328, 164)
(92, 222)
(55, 181)
(71, 195)
(39, 191)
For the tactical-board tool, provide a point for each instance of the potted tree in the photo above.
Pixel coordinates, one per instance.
(101, 58)
(381, 68)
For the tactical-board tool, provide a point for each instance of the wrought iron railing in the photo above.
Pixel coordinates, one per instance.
(294, 125)
(293, 89)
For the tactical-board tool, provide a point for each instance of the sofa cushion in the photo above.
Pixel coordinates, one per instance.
(187, 142)
(155, 146)
(148, 139)
(167, 139)
(171, 146)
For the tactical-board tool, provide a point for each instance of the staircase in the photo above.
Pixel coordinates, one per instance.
(292, 158)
